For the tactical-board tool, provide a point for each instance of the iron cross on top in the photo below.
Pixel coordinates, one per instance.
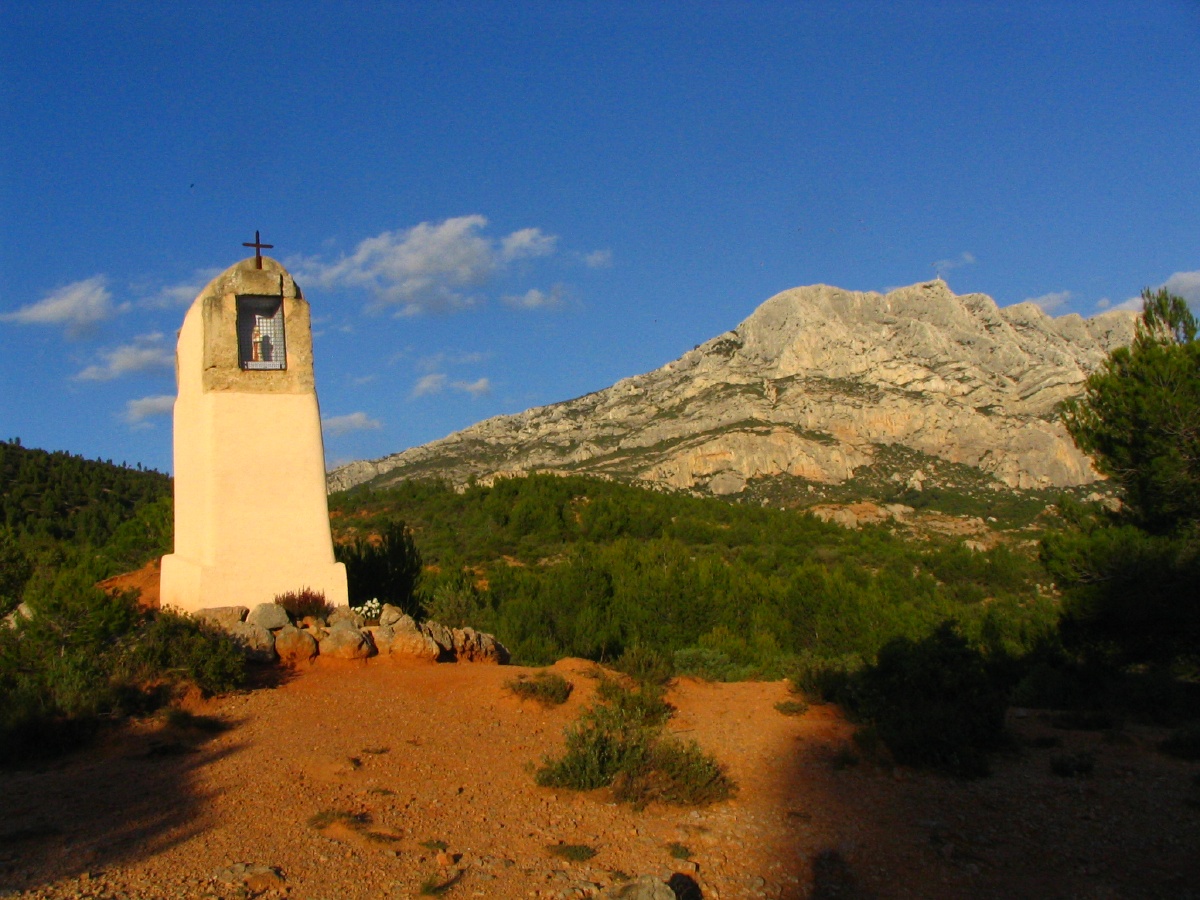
(259, 247)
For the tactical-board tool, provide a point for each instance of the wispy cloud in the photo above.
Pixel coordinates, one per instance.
(527, 243)
(78, 306)
(148, 352)
(432, 267)
(438, 382)
(535, 299)
(963, 259)
(1186, 285)
(181, 293)
(1050, 302)
(355, 421)
(598, 259)
(433, 383)
(138, 411)
(476, 388)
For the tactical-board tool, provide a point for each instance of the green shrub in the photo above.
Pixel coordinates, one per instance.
(15, 570)
(792, 707)
(572, 852)
(676, 772)
(711, 665)
(645, 665)
(456, 602)
(86, 656)
(177, 647)
(679, 851)
(935, 704)
(305, 602)
(828, 679)
(620, 742)
(547, 688)
(389, 570)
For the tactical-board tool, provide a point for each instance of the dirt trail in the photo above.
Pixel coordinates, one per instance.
(402, 761)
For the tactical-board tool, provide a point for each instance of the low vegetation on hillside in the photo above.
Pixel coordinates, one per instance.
(580, 567)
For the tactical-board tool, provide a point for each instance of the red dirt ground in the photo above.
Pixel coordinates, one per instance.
(444, 753)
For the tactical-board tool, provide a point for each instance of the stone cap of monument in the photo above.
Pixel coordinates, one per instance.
(214, 316)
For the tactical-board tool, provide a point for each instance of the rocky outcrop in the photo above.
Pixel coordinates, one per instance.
(268, 633)
(813, 385)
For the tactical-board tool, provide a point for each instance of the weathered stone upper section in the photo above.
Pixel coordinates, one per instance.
(216, 307)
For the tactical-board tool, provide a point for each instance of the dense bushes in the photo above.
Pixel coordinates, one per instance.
(85, 656)
(580, 567)
(934, 703)
(387, 569)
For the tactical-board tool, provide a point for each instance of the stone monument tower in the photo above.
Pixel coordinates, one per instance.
(251, 516)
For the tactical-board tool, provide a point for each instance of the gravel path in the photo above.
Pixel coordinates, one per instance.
(421, 778)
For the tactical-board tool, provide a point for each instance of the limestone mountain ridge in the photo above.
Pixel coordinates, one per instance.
(817, 384)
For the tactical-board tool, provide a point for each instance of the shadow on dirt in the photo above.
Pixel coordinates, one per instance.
(860, 827)
(130, 795)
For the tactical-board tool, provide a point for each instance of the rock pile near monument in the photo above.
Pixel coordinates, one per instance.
(269, 634)
(817, 383)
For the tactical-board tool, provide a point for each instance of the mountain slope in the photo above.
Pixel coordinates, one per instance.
(816, 383)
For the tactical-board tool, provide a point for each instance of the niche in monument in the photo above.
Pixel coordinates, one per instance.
(260, 333)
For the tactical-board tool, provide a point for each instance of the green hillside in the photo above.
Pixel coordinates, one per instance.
(583, 567)
(66, 497)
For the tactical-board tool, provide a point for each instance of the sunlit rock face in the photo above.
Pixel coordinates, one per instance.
(814, 385)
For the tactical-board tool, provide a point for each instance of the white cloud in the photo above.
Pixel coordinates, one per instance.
(963, 259)
(438, 382)
(1050, 302)
(137, 411)
(598, 259)
(147, 353)
(535, 299)
(1186, 285)
(433, 383)
(79, 307)
(355, 421)
(431, 267)
(1133, 303)
(476, 388)
(527, 242)
(182, 293)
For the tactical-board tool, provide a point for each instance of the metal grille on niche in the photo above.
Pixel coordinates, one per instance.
(260, 333)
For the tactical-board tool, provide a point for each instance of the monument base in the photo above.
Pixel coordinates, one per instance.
(189, 585)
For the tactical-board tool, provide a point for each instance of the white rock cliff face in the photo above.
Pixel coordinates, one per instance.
(812, 385)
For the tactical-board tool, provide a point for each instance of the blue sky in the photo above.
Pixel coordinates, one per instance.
(492, 206)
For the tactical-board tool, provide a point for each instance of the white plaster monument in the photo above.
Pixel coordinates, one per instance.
(251, 514)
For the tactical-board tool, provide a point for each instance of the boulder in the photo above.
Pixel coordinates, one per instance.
(258, 644)
(345, 614)
(381, 636)
(645, 888)
(441, 635)
(270, 616)
(222, 616)
(311, 622)
(476, 646)
(294, 645)
(404, 623)
(390, 615)
(414, 645)
(345, 643)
